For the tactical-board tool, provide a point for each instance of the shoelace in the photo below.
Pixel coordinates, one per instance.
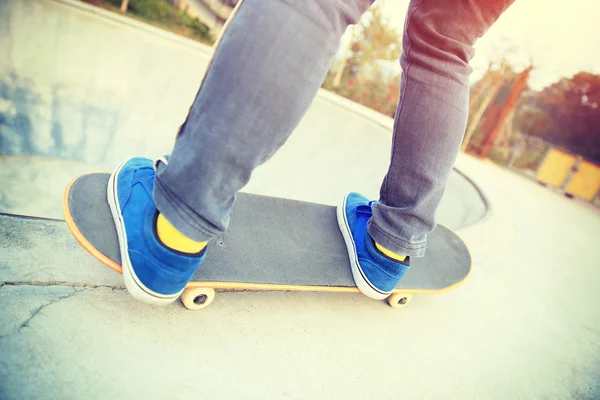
(363, 213)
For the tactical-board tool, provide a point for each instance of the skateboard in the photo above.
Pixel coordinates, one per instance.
(271, 244)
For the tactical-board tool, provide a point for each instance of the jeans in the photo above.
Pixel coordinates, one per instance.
(269, 63)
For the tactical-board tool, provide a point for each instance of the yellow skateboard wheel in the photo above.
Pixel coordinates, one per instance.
(197, 298)
(399, 300)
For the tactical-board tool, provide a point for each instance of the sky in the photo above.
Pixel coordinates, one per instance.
(560, 38)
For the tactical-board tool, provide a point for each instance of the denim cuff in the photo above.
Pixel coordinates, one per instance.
(395, 243)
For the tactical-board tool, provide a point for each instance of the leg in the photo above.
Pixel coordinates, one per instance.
(431, 116)
(428, 128)
(269, 65)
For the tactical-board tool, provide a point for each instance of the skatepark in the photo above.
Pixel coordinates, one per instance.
(81, 89)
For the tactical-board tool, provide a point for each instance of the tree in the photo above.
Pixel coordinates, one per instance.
(481, 95)
(502, 109)
(369, 72)
(374, 40)
(491, 105)
(566, 114)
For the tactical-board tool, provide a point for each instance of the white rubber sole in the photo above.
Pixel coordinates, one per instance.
(363, 284)
(134, 286)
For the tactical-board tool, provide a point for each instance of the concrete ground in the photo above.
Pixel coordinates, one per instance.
(525, 326)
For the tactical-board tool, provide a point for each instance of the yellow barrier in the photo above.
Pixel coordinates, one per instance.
(556, 167)
(585, 182)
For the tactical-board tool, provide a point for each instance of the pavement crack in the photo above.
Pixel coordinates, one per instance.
(60, 283)
(35, 313)
(40, 308)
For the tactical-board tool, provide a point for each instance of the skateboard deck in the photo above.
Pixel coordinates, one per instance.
(271, 244)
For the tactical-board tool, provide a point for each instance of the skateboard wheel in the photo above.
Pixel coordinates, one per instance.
(399, 300)
(197, 298)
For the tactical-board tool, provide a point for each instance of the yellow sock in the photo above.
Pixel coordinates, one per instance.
(176, 240)
(388, 253)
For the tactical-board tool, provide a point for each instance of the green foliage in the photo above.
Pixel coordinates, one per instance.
(197, 28)
(530, 154)
(566, 113)
(526, 153)
(529, 160)
(370, 74)
(532, 119)
(375, 40)
(500, 155)
(152, 10)
(162, 13)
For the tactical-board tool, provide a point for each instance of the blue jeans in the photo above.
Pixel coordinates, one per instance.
(267, 68)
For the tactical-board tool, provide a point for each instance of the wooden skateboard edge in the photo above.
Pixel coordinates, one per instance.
(241, 286)
(80, 237)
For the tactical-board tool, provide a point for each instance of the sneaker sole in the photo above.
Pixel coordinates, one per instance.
(133, 284)
(363, 284)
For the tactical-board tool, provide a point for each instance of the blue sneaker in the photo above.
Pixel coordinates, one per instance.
(153, 273)
(375, 274)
